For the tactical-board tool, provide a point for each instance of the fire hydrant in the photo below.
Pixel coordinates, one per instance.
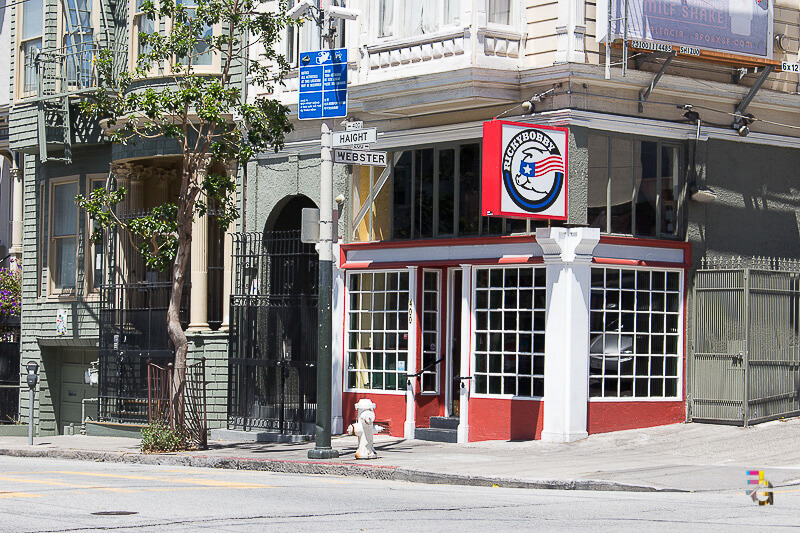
(364, 428)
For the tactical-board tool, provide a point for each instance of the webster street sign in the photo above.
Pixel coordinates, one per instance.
(346, 138)
(351, 157)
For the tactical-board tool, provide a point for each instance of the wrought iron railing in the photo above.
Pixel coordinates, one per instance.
(71, 68)
(194, 420)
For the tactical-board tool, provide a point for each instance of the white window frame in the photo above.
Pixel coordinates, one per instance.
(52, 291)
(679, 397)
(399, 17)
(135, 20)
(410, 350)
(513, 16)
(474, 332)
(25, 90)
(436, 351)
(91, 287)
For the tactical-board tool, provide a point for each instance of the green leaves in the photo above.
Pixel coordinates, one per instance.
(155, 234)
(187, 85)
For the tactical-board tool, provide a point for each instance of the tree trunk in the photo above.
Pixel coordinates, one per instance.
(176, 333)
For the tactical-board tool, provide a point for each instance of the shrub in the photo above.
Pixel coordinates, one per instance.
(10, 292)
(158, 437)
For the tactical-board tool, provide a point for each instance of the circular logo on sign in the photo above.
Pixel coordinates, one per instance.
(533, 170)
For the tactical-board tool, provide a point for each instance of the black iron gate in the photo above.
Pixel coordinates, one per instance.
(9, 369)
(273, 336)
(133, 328)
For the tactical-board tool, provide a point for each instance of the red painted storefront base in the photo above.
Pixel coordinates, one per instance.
(390, 410)
(604, 417)
(495, 419)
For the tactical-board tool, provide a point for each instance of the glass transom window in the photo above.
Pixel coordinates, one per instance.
(634, 348)
(510, 308)
(377, 353)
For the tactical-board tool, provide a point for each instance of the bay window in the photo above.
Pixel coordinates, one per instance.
(413, 18)
(32, 27)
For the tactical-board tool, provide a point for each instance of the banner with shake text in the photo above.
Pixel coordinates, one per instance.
(741, 27)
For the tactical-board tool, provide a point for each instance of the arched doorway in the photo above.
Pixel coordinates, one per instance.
(274, 341)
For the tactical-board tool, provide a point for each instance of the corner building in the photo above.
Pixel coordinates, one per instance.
(468, 327)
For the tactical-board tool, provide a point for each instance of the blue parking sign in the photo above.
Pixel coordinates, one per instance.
(323, 84)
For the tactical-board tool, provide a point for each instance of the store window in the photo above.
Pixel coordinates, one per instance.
(635, 343)
(425, 193)
(32, 27)
(635, 186)
(411, 18)
(377, 352)
(510, 310)
(63, 238)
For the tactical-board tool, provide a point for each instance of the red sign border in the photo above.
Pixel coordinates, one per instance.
(491, 171)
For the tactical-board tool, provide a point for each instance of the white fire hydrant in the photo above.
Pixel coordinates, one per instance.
(364, 428)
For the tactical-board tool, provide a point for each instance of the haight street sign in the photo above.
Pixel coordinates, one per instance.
(525, 168)
(352, 157)
(344, 138)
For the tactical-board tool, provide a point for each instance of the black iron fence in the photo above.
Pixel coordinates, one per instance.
(9, 369)
(273, 336)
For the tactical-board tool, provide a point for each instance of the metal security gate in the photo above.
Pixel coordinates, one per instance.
(746, 364)
(133, 328)
(273, 339)
(9, 369)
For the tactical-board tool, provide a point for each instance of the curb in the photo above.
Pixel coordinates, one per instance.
(379, 472)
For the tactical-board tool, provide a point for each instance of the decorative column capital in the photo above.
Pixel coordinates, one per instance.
(16, 174)
(567, 245)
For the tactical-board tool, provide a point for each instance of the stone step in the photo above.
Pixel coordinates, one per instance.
(436, 435)
(444, 422)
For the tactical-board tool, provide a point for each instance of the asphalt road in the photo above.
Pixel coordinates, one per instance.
(49, 495)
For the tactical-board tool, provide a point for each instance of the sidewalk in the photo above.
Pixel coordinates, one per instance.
(680, 457)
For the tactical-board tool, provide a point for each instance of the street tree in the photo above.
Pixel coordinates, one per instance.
(205, 114)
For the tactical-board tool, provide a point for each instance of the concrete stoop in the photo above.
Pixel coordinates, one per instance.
(442, 429)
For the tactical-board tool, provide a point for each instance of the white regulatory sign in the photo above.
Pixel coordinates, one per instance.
(350, 157)
(344, 138)
(790, 67)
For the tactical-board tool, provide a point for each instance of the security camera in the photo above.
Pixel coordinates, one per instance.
(338, 12)
(300, 10)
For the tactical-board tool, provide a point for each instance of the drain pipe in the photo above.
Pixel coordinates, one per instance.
(83, 412)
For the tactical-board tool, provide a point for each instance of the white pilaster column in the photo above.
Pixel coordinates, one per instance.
(567, 255)
(122, 173)
(571, 31)
(16, 217)
(411, 366)
(466, 354)
(227, 251)
(337, 347)
(198, 311)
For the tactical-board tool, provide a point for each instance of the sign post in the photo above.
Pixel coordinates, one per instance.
(323, 95)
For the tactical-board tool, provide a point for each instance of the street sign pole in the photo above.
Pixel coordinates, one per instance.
(322, 446)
